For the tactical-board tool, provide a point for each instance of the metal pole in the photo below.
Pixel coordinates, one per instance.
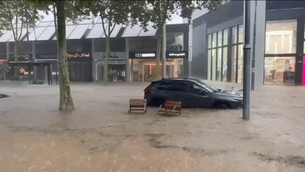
(164, 50)
(190, 42)
(254, 42)
(247, 61)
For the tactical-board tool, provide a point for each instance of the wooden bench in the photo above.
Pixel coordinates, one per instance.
(171, 107)
(137, 105)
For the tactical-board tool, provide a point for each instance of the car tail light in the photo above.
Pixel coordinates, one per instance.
(146, 91)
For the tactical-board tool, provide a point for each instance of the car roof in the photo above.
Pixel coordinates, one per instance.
(178, 79)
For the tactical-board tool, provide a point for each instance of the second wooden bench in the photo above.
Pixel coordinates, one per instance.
(170, 107)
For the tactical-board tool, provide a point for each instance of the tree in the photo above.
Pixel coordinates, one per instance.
(65, 101)
(16, 15)
(62, 11)
(113, 13)
(158, 12)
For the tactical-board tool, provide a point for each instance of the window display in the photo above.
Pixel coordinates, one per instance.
(279, 70)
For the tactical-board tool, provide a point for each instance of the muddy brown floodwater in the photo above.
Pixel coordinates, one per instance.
(99, 136)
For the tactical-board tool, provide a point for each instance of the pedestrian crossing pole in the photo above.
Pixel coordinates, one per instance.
(247, 61)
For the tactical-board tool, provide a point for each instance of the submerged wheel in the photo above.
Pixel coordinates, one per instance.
(221, 105)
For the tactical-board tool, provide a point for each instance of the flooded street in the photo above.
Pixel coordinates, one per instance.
(99, 136)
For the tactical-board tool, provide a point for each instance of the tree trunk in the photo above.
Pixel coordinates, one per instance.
(106, 61)
(61, 92)
(16, 59)
(158, 57)
(65, 102)
(16, 51)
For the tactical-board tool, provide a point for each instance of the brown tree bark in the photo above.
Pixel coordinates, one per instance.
(66, 101)
(158, 56)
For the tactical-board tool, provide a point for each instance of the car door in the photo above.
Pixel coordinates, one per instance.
(198, 96)
(176, 91)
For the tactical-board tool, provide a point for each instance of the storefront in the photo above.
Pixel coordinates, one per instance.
(116, 66)
(143, 65)
(80, 67)
(278, 47)
(40, 72)
(3, 67)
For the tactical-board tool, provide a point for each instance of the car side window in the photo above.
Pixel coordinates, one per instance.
(172, 86)
(193, 88)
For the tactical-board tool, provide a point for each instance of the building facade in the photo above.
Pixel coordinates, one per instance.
(277, 35)
(132, 51)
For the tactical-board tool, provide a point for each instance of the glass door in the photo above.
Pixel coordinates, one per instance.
(280, 70)
(136, 73)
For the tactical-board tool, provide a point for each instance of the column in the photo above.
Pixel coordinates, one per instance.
(127, 65)
(94, 70)
(260, 34)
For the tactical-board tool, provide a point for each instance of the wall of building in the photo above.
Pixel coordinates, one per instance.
(199, 61)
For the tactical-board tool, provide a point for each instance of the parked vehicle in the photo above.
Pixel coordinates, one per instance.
(192, 94)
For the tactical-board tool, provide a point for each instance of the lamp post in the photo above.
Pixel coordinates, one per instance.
(247, 61)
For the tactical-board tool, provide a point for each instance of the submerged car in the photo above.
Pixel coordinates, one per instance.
(192, 94)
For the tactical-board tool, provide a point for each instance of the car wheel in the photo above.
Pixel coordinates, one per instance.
(157, 101)
(221, 105)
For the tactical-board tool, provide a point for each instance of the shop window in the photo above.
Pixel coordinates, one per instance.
(281, 36)
(219, 38)
(224, 63)
(209, 62)
(240, 62)
(209, 41)
(214, 40)
(219, 61)
(225, 37)
(214, 58)
(116, 45)
(142, 44)
(234, 35)
(279, 70)
(240, 34)
(233, 70)
(174, 41)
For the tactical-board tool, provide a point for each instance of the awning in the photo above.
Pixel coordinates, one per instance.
(44, 23)
(69, 30)
(23, 33)
(115, 31)
(35, 33)
(132, 31)
(98, 31)
(46, 34)
(138, 31)
(79, 31)
(6, 36)
(150, 32)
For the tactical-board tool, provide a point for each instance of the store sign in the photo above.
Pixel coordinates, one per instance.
(178, 54)
(136, 55)
(46, 56)
(111, 62)
(79, 55)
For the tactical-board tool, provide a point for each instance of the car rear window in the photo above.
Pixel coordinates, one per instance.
(153, 85)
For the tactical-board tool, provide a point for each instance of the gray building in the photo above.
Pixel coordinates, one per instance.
(132, 51)
(278, 47)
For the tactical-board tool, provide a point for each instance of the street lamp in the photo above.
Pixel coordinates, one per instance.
(247, 61)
